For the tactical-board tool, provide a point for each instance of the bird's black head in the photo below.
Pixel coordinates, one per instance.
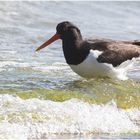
(68, 30)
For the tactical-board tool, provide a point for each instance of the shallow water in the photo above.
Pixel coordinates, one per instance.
(40, 96)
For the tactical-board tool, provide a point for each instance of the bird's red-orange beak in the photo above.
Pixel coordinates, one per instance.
(48, 42)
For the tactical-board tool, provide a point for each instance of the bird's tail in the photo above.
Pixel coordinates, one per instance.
(137, 42)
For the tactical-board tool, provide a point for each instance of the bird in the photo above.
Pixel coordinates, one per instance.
(89, 58)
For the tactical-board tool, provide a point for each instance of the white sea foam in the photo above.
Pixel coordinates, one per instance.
(35, 118)
(50, 68)
(123, 69)
(6, 65)
(57, 70)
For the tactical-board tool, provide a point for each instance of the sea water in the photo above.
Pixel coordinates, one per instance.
(41, 97)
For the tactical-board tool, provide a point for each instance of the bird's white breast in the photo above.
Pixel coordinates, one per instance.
(90, 67)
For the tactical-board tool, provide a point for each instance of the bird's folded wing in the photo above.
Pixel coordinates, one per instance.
(116, 57)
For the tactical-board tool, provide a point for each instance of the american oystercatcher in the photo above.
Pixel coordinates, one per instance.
(92, 57)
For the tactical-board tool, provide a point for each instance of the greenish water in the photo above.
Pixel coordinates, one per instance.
(101, 109)
(99, 91)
